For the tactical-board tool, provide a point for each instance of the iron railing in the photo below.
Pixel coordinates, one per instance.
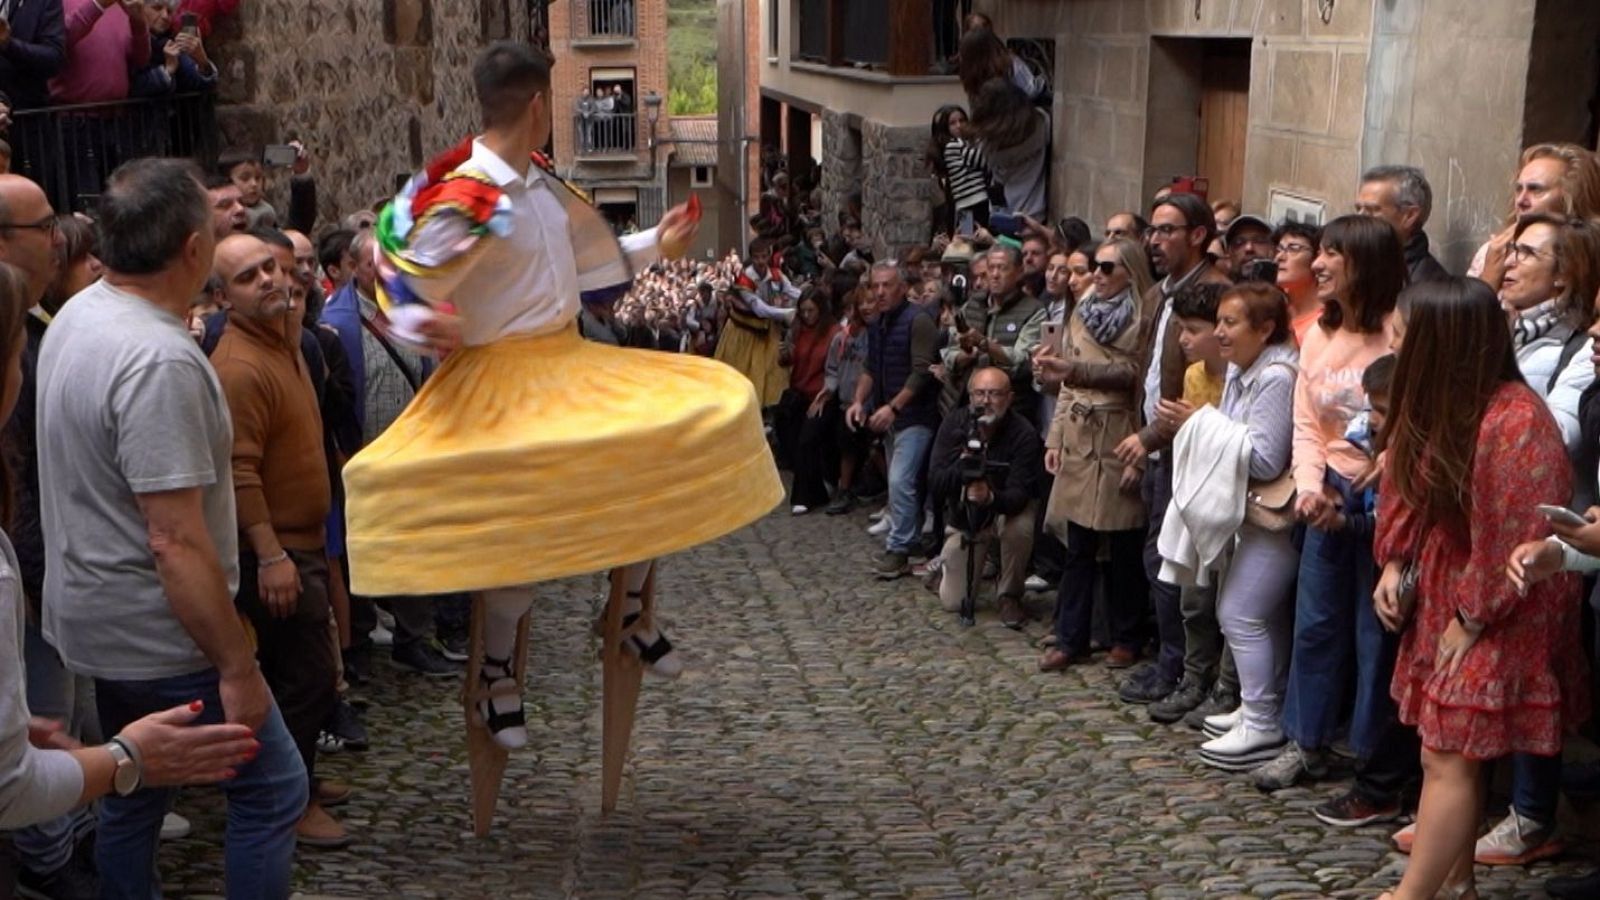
(603, 19)
(606, 134)
(71, 150)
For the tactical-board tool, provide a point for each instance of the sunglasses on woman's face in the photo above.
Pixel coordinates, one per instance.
(1106, 266)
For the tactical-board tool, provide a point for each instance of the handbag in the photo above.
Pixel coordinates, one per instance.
(1269, 505)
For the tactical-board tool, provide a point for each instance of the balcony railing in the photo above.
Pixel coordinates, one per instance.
(70, 150)
(603, 19)
(606, 134)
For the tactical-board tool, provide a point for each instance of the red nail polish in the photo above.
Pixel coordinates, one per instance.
(230, 774)
(197, 705)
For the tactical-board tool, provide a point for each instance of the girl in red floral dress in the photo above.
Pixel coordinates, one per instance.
(1484, 670)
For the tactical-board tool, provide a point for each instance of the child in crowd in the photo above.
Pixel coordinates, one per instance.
(247, 175)
(1194, 311)
(1364, 433)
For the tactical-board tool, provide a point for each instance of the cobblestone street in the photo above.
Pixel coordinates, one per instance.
(834, 737)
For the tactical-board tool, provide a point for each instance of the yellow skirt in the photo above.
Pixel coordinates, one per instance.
(756, 357)
(537, 458)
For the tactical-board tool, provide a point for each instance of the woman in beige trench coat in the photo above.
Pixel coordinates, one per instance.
(1094, 497)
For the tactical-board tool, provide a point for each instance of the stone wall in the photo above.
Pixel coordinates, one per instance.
(896, 192)
(373, 87)
(1121, 95)
(1425, 82)
(841, 164)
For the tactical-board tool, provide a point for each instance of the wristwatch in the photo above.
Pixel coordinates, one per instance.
(129, 773)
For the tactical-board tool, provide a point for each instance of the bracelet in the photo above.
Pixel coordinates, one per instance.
(268, 563)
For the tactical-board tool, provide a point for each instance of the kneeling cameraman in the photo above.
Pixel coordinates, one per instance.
(987, 470)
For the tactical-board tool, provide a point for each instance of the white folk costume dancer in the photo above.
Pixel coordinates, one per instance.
(532, 454)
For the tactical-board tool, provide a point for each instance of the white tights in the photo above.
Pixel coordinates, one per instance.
(504, 606)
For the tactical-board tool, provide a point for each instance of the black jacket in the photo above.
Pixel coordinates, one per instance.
(37, 50)
(1420, 264)
(1013, 442)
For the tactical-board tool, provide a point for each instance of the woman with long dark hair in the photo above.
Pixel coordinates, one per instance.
(1484, 670)
(809, 340)
(1016, 137)
(961, 170)
(1359, 271)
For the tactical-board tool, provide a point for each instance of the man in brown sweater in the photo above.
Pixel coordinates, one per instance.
(281, 489)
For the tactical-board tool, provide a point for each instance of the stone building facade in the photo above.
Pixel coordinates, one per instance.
(1325, 89)
(373, 87)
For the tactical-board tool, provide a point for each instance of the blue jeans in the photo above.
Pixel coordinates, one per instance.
(1536, 786)
(1336, 630)
(1167, 599)
(265, 801)
(908, 454)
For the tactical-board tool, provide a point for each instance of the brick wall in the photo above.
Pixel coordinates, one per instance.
(646, 55)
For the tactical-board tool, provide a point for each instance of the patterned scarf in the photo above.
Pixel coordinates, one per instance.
(1106, 319)
(1533, 324)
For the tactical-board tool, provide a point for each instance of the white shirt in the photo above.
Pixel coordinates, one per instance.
(525, 283)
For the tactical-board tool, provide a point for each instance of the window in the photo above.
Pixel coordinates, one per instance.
(773, 11)
(610, 124)
(603, 18)
(700, 177)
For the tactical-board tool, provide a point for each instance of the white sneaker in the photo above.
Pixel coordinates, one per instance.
(879, 528)
(381, 636)
(799, 510)
(1036, 584)
(1516, 841)
(879, 516)
(1219, 725)
(1242, 748)
(174, 827)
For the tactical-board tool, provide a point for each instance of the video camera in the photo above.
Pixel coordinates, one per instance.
(975, 466)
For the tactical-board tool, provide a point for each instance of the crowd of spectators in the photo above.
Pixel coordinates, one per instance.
(1279, 463)
(1327, 505)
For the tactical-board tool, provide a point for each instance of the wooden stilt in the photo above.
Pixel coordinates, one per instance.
(622, 672)
(486, 760)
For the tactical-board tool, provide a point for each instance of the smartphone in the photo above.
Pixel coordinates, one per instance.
(694, 209)
(1052, 334)
(191, 24)
(1004, 224)
(279, 156)
(961, 323)
(1563, 515)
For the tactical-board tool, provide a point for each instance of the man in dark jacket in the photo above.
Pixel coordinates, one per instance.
(904, 398)
(1401, 196)
(33, 47)
(1001, 503)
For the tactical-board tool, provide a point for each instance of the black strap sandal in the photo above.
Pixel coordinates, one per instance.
(493, 719)
(652, 652)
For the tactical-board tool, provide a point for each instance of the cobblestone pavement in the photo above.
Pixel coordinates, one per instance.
(835, 737)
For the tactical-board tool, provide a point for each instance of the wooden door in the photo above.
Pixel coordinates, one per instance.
(1224, 120)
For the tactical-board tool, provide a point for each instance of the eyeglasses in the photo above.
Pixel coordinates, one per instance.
(1522, 253)
(1166, 231)
(1106, 266)
(49, 225)
(1291, 249)
(1250, 241)
(988, 393)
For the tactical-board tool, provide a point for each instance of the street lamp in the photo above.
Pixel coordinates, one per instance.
(652, 115)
